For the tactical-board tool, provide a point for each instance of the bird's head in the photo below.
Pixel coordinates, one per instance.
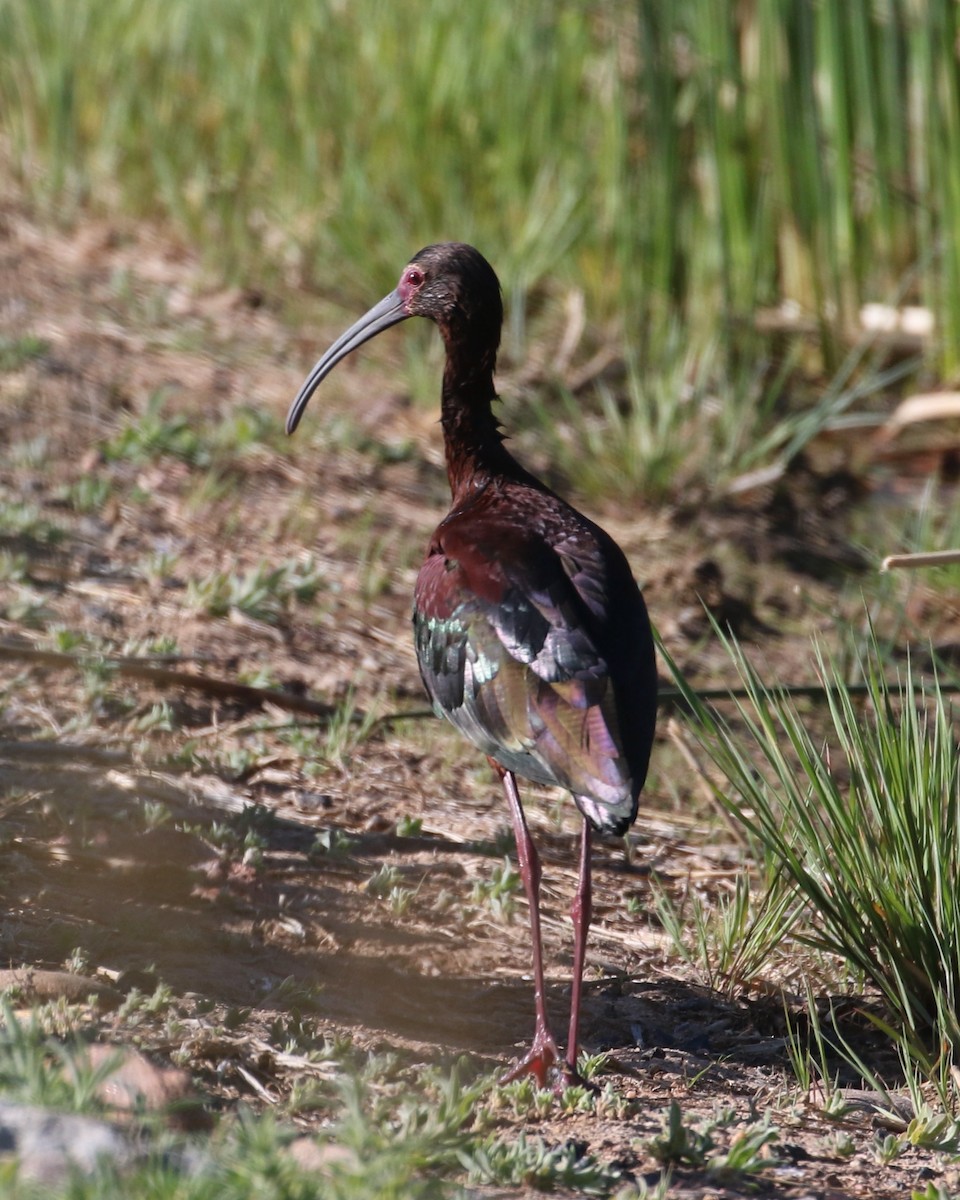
(451, 284)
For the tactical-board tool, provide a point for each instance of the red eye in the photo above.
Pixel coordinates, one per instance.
(410, 283)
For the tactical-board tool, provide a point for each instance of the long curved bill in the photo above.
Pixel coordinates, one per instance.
(388, 312)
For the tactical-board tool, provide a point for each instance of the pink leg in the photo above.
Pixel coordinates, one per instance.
(543, 1053)
(581, 913)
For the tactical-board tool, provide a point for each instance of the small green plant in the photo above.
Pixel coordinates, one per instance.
(930, 1130)
(155, 814)
(333, 844)
(346, 728)
(933, 1191)
(236, 1017)
(26, 607)
(164, 646)
(260, 676)
(386, 885)
(309, 1096)
(384, 881)
(808, 1057)
(264, 593)
(66, 640)
(395, 1143)
(245, 428)
(375, 568)
(54, 1072)
(151, 434)
(138, 1005)
(158, 717)
(680, 1144)
(243, 836)
(98, 677)
(748, 1152)
(499, 893)
(576, 1097)
(156, 567)
(592, 1065)
(297, 996)
(400, 899)
(730, 940)
(78, 961)
(658, 1190)
(887, 1149)
(89, 493)
(14, 568)
(25, 521)
(17, 352)
(522, 1097)
(531, 1163)
(338, 738)
(230, 762)
(841, 1145)
(502, 841)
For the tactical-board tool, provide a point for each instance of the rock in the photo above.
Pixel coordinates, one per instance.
(137, 1084)
(31, 985)
(48, 1146)
(311, 1155)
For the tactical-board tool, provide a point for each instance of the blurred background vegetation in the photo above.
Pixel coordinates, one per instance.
(725, 184)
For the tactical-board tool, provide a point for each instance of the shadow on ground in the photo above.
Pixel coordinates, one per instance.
(182, 901)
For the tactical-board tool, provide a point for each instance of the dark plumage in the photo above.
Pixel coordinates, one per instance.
(531, 633)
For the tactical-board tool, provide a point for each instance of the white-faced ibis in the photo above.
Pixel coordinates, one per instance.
(531, 633)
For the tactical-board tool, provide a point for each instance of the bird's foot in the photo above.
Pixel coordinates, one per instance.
(545, 1064)
(542, 1059)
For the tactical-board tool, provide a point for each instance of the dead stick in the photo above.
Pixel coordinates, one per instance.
(932, 558)
(138, 668)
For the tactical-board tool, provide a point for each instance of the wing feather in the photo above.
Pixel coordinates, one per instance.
(517, 648)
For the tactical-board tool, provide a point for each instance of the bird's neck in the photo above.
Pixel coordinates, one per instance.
(474, 447)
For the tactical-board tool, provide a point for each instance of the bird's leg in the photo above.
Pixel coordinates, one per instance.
(544, 1052)
(581, 912)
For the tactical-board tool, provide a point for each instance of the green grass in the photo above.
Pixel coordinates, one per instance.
(154, 433)
(17, 352)
(23, 522)
(390, 1131)
(533, 1164)
(680, 167)
(263, 592)
(864, 822)
(684, 1144)
(731, 941)
(499, 892)
(37, 1068)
